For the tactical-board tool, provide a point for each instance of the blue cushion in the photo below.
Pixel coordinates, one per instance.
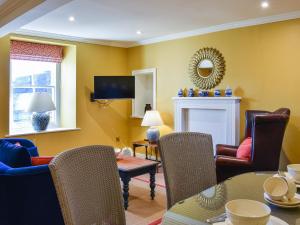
(3, 168)
(25, 143)
(14, 156)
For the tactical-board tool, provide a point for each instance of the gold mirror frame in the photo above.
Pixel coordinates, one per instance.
(207, 82)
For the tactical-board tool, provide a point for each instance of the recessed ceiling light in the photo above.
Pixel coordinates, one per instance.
(71, 18)
(138, 32)
(265, 4)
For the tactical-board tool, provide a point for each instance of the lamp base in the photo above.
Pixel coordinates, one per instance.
(153, 134)
(40, 121)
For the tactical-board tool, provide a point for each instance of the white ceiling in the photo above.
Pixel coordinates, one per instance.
(118, 20)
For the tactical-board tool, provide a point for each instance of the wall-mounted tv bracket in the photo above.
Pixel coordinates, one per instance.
(103, 103)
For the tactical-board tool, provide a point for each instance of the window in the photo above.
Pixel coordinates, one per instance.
(32, 70)
(28, 77)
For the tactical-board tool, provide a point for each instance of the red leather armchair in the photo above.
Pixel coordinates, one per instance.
(267, 132)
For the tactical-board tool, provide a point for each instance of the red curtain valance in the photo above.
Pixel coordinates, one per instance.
(36, 51)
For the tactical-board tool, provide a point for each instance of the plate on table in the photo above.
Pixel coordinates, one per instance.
(295, 203)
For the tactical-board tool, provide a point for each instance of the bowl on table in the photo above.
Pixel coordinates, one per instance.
(247, 212)
(276, 188)
(294, 171)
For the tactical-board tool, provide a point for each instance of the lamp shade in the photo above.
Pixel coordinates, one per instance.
(40, 102)
(152, 118)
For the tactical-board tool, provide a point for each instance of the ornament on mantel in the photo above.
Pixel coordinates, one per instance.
(228, 92)
(217, 93)
(191, 92)
(203, 93)
(180, 92)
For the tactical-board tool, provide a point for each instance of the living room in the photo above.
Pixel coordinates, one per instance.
(259, 44)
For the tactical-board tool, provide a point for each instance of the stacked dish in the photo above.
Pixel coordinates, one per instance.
(280, 190)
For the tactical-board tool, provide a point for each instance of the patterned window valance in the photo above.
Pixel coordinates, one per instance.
(36, 51)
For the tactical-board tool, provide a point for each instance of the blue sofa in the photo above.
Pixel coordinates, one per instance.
(27, 192)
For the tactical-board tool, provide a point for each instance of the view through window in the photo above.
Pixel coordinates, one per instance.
(28, 77)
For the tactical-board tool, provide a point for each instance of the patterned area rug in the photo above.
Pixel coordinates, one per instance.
(159, 179)
(142, 210)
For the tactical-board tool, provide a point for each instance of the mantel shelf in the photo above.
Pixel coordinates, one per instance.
(207, 98)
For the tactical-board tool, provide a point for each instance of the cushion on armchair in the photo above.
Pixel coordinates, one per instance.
(14, 156)
(244, 150)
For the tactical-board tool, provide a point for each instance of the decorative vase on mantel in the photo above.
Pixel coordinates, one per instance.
(217, 92)
(228, 92)
(180, 92)
(191, 92)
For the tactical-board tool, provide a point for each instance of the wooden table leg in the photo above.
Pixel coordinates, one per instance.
(133, 148)
(156, 157)
(125, 181)
(146, 147)
(152, 182)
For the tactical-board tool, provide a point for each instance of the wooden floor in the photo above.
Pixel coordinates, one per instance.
(142, 210)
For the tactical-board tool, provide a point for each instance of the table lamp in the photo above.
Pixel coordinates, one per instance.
(152, 119)
(40, 104)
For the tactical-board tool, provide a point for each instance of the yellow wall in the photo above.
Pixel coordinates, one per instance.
(262, 66)
(98, 126)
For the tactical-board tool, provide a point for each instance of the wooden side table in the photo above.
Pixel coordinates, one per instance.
(146, 145)
(131, 167)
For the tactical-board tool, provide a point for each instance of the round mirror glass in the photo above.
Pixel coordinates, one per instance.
(205, 68)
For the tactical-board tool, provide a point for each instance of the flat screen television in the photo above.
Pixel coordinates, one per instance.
(114, 87)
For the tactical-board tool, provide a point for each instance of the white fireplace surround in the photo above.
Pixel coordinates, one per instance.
(218, 116)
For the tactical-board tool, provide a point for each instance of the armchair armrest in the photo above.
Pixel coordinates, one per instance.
(231, 162)
(226, 150)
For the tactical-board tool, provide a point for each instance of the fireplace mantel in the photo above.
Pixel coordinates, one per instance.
(218, 116)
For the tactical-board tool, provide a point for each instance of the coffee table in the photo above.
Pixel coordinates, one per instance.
(131, 167)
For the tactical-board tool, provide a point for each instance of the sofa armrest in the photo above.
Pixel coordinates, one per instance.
(29, 193)
(226, 150)
(24, 171)
(32, 149)
(232, 162)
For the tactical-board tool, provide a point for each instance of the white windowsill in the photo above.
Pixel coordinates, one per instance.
(50, 130)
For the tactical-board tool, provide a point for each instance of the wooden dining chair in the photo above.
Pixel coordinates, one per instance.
(87, 183)
(188, 164)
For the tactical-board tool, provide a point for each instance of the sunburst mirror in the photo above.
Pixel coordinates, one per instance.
(207, 68)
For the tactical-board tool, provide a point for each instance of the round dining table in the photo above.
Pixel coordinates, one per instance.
(211, 202)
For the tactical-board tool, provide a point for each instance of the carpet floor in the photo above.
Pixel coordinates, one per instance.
(142, 210)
